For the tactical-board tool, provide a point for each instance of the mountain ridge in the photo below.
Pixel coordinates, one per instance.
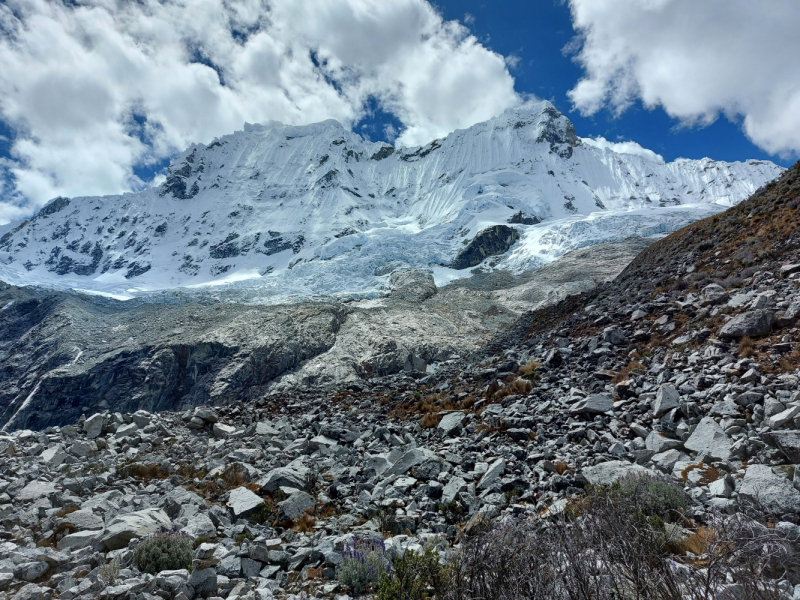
(317, 209)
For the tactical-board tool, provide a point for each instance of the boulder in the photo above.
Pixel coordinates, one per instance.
(36, 490)
(782, 418)
(596, 404)
(773, 492)
(788, 442)
(658, 443)
(139, 524)
(410, 459)
(78, 540)
(754, 323)
(495, 471)
(709, 440)
(295, 505)
(242, 502)
(54, 455)
(610, 472)
(714, 294)
(412, 285)
(282, 477)
(93, 426)
(667, 398)
(128, 430)
(200, 525)
(451, 423)
(452, 489)
(614, 335)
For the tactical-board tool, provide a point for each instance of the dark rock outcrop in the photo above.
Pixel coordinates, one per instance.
(493, 241)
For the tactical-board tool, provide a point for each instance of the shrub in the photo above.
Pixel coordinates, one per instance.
(109, 571)
(263, 514)
(163, 551)
(363, 564)
(645, 496)
(414, 577)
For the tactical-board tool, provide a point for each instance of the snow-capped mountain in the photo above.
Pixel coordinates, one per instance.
(317, 209)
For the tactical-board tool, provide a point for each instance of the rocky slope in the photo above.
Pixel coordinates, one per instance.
(685, 365)
(64, 355)
(281, 211)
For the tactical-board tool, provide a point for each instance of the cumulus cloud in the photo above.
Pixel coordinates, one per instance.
(624, 148)
(697, 60)
(95, 89)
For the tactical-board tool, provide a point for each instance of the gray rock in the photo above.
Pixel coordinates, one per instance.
(78, 540)
(36, 490)
(667, 398)
(54, 455)
(142, 418)
(714, 294)
(452, 489)
(204, 582)
(296, 504)
(410, 459)
(773, 492)
(610, 472)
(788, 442)
(495, 471)
(242, 502)
(200, 525)
(772, 407)
(282, 477)
(784, 417)
(412, 285)
(709, 440)
(85, 519)
(31, 571)
(614, 335)
(33, 592)
(128, 430)
(659, 443)
(139, 524)
(451, 423)
(596, 404)
(93, 426)
(223, 431)
(754, 323)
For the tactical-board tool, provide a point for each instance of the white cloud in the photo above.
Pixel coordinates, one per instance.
(94, 88)
(697, 60)
(623, 148)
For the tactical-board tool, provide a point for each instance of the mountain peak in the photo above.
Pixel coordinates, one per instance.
(317, 209)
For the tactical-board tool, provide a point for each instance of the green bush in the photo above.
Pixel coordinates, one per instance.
(363, 564)
(163, 552)
(413, 577)
(652, 498)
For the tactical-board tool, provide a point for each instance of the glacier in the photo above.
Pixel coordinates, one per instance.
(275, 212)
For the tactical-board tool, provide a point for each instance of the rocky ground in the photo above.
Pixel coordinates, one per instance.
(684, 366)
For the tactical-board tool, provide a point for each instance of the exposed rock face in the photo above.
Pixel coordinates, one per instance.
(64, 355)
(493, 241)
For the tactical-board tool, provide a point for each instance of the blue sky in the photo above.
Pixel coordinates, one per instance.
(96, 96)
(537, 31)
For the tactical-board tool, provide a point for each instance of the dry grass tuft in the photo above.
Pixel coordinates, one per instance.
(746, 347)
(306, 522)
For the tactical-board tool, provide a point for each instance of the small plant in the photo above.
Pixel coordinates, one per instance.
(429, 420)
(311, 480)
(263, 514)
(452, 511)
(306, 522)
(510, 495)
(163, 551)
(387, 521)
(109, 572)
(363, 564)
(746, 347)
(652, 498)
(413, 577)
(245, 535)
